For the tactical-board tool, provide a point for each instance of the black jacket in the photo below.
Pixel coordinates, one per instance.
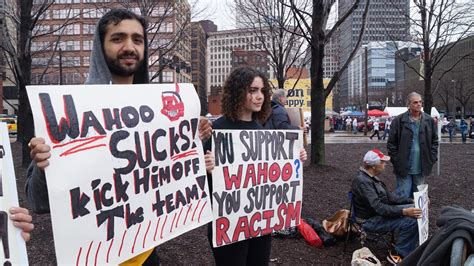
(454, 222)
(279, 118)
(371, 198)
(400, 140)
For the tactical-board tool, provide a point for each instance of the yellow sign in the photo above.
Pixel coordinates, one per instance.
(301, 95)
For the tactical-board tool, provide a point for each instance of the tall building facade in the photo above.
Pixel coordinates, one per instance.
(387, 21)
(64, 34)
(381, 66)
(403, 55)
(2, 54)
(454, 94)
(255, 59)
(8, 88)
(198, 62)
(220, 46)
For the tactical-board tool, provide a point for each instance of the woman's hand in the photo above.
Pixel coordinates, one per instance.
(210, 163)
(303, 154)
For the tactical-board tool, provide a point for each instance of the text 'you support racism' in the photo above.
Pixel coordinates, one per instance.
(260, 187)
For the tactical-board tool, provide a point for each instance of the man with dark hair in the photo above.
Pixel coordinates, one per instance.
(119, 56)
(378, 210)
(413, 146)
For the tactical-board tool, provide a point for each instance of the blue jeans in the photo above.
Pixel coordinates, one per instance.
(451, 135)
(386, 132)
(405, 228)
(409, 184)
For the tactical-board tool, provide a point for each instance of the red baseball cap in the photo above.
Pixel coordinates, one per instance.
(373, 157)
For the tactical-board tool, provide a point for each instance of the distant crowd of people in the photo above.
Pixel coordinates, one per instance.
(382, 125)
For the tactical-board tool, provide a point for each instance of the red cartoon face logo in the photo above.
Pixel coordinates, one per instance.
(173, 107)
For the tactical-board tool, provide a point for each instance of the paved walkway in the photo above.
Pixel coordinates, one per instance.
(346, 137)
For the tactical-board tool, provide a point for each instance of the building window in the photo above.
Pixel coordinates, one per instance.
(85, 61)
(88, 28)
(87, 45)
(167, 76)
(166, 27)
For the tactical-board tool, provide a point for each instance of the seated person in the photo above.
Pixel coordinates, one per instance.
(378, 210)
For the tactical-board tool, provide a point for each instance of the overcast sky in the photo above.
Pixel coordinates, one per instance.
(223, 15)
(219, 11)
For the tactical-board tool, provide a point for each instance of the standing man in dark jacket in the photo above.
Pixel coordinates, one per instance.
(413, 146)
(279, 118)
(378, 210)
(119, 56)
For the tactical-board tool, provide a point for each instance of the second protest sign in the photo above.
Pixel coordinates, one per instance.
(257, 183)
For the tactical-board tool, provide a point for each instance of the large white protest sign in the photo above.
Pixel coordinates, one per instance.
(421, 201)
(257, 183)
(13, 249)
(127, 168)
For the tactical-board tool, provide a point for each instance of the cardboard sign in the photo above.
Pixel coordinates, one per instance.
(127, 169)
(421, 202)
(296, 116)
(13, 248)
(257, 183)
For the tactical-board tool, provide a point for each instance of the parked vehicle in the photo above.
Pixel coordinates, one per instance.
(11, 123)
(370, 125)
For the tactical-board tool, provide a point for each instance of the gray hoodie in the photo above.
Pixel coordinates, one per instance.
(99, 73)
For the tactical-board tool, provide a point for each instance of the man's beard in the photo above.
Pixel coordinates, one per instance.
(116, 68)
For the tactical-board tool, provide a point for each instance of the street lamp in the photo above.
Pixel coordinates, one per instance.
(454, 96)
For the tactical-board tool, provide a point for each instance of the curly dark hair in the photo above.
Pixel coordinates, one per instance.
(235, 93)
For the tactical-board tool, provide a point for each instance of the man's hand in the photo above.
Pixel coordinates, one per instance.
(412, 212)
(39, 152)
(205, 128)
(22, 219)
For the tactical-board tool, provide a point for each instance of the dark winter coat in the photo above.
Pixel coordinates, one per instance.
(454, 223)
(279, 118)
(400, 140)
(372, 198)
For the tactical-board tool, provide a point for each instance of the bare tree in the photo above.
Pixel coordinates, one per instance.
(462, 92)
(443, 93)
(21, 18)
(358, 100)
(270, 21)
(317, 12)
(168, 33)
(438, 26)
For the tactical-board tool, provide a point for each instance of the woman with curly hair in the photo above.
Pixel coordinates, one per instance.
(245, 105)
(246, 98)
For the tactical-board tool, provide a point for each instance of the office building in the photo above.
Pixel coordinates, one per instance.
(387, 21)
(198, 62)
(221, 45)
(453, 95)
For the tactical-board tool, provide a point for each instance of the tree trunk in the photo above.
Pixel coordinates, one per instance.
(25, 116)
(428, 95)
(318, 99)
(281, 76)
